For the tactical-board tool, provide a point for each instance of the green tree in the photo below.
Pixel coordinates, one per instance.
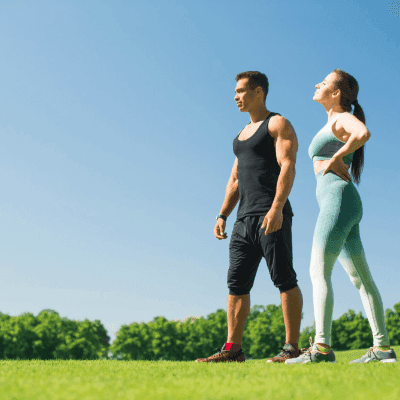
(172, 340)
(164, 339)
(351, 331)
(306, 333)
(18, 336)
(48, 336)
(264, 332)
(393, 324)
(193, 334)
(83, 340)
(132, 343)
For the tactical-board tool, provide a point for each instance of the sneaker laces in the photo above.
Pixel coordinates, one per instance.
(307, 350)
(283, 352)
(371, 354)
(219, 350)
(235, 354)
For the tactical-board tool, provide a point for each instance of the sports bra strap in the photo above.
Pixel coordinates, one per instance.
(334, 119)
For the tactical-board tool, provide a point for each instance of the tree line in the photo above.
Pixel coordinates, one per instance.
(48, 336)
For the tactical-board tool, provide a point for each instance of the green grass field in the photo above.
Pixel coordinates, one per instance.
(253, 379)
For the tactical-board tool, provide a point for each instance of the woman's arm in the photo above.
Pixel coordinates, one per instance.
(353, 132)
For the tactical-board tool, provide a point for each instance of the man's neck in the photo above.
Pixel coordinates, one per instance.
(258, 115)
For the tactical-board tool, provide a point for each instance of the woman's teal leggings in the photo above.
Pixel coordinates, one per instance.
(337, 236)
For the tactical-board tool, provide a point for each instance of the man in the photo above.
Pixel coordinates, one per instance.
(262, 177)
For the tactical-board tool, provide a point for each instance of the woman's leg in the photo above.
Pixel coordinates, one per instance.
(328, 241)
(353, 259)
(340, 210)
(324, 254)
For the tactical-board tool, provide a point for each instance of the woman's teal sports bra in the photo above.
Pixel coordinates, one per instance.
(325, 144)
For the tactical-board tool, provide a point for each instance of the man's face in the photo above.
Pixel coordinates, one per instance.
(244, 96)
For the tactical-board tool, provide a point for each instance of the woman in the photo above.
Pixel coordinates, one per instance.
(337, 235)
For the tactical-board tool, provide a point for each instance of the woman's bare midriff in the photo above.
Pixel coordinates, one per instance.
(321, 164)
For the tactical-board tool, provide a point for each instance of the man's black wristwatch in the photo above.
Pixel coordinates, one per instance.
(221, 216)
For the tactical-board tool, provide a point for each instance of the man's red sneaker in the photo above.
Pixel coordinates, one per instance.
(234, 354)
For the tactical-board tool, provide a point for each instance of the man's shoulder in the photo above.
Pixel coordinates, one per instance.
(278, 125)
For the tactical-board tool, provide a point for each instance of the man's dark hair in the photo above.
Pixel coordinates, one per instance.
(255, 79)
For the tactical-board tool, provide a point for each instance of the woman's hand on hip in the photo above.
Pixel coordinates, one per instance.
(339, 167)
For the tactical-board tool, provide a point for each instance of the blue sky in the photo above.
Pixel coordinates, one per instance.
(116, 128)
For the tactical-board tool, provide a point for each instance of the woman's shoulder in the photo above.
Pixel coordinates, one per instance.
(349, 122)
(346, 116)
(340, 126)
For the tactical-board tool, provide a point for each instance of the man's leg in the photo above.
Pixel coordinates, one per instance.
(238, 309)
(292, 304)
(277, 248)
(244, 259)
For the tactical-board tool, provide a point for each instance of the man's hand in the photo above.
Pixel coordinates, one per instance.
(339, 167)
(272, 221)
(219, 230)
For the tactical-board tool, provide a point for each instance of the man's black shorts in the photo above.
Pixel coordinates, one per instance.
(249, 244)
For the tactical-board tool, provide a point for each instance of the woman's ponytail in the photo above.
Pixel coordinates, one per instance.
(348, 86)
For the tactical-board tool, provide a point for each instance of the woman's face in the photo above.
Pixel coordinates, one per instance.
(325, 89)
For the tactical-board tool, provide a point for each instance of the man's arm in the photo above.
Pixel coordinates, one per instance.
(286, 146)
(286, 153)
(232, 192)
(230, 201)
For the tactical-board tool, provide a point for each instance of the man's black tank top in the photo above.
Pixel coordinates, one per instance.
(258, 172)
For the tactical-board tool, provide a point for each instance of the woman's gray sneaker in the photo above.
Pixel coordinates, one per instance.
(313, 355)
(376, 355)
